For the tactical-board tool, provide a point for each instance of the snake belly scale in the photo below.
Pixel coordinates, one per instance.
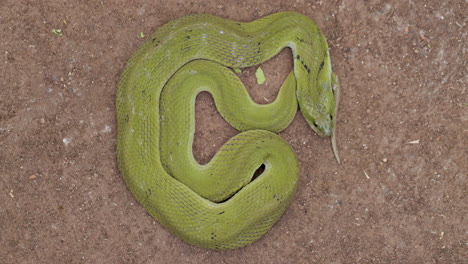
(218, 205)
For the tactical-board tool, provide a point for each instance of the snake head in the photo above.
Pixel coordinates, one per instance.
(319, 103)
(321, 115)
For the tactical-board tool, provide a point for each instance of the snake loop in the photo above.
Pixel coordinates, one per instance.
(218, 205)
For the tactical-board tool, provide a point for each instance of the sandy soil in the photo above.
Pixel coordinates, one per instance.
(399, 196)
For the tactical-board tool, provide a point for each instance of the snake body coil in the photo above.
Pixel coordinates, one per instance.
(217, 205)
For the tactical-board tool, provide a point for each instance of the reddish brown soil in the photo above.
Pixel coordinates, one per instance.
(399, 196)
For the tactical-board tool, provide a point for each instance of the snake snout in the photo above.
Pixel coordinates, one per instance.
(323, 125)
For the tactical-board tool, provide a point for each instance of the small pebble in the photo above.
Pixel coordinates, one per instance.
(106, 129)
(67, 141)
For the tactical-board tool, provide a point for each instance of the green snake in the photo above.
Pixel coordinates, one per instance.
(219, 205)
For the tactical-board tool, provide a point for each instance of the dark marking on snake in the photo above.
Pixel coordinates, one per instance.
(306, 67)
(148, 192)
(321, 66)
(304, 41)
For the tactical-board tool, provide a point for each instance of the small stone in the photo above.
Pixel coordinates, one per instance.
(67, 141)
(106, 129)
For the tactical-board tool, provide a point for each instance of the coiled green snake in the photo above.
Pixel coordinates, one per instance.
(218, 205)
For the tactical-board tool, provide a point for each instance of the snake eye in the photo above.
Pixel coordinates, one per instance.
(315, 124)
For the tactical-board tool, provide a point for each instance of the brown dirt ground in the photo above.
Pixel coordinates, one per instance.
(399, 196)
